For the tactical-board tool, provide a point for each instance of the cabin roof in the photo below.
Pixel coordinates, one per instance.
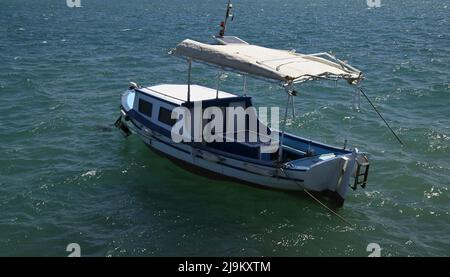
(178, 94)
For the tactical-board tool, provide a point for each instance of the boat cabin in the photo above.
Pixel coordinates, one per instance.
(154, 106)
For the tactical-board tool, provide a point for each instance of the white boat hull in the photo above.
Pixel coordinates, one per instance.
(329, 176)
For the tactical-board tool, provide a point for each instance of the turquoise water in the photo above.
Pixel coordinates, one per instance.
(67, 176)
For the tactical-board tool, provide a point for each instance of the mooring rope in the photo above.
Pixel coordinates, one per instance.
(379, 114)
(318, 201)
(328, 208)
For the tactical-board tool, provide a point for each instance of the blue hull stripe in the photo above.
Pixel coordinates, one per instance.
(136, 116)
(224, 164)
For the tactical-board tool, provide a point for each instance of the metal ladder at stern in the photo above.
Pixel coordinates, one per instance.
(362, 171)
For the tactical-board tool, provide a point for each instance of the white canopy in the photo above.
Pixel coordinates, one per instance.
(281, 65)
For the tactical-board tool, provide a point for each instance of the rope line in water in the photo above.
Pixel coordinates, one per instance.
(330, 210)
(320, 202)
(379, 114)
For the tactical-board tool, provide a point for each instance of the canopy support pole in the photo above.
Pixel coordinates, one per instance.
(217, 85)
(245, 85)
(280, 149)
(293, 108)
(189, 80)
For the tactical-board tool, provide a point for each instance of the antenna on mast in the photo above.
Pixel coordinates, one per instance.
(223, 24)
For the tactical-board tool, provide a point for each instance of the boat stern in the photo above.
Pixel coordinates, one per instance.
(352, 171)
(333, 174)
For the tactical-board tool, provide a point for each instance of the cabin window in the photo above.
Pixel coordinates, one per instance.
(165, 117)
(145, 107)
